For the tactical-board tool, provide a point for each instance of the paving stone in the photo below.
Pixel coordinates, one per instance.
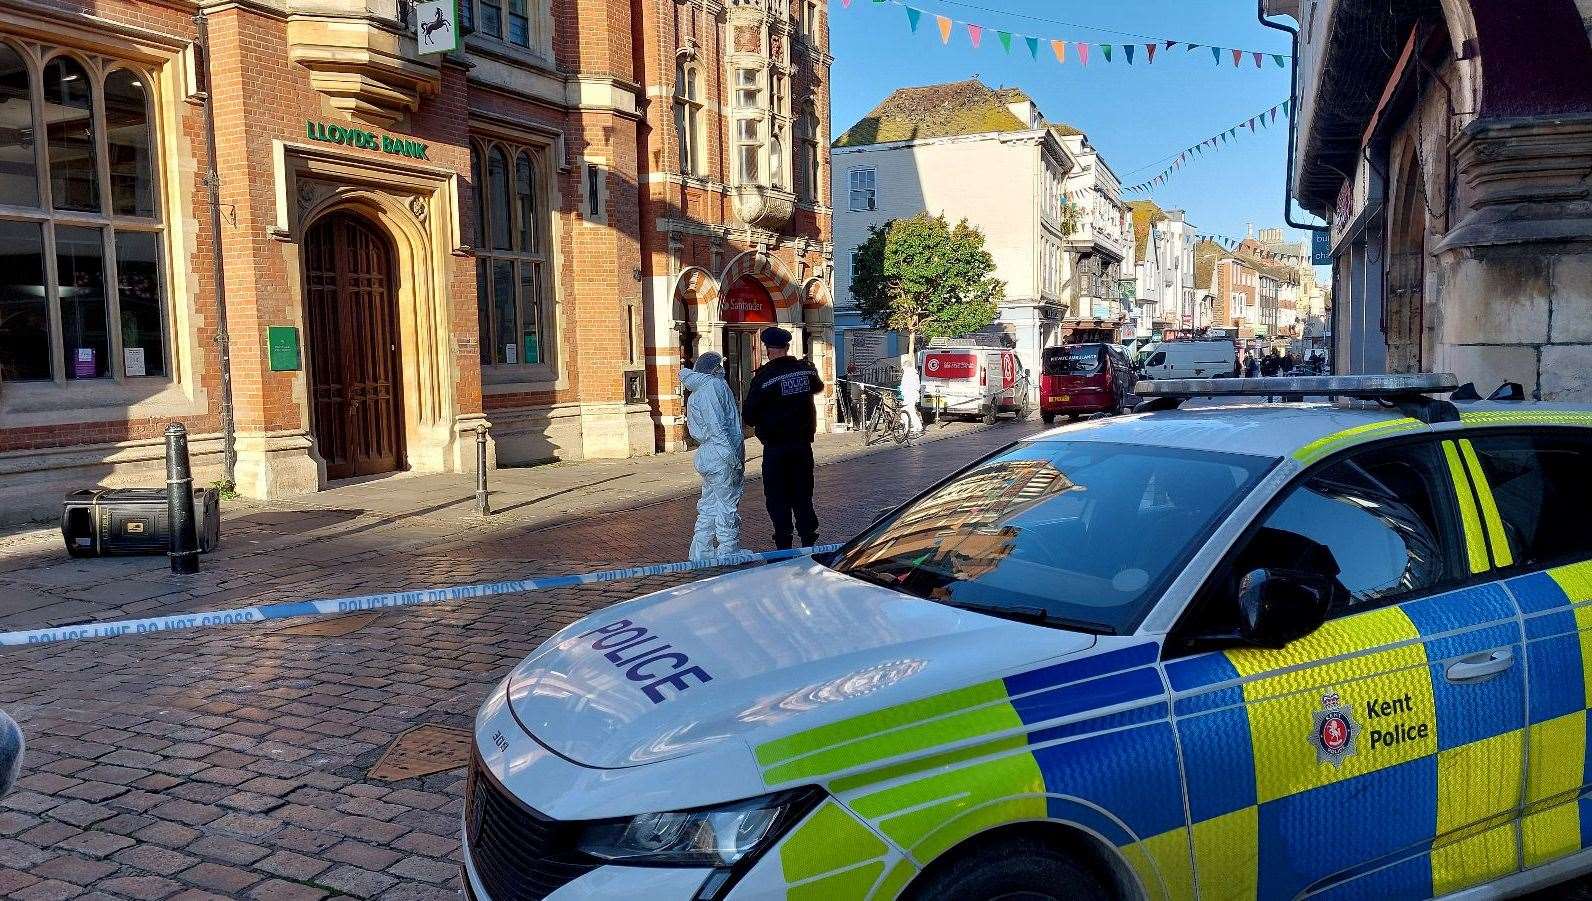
(48, 833)
(291, 865)
(75, 869)
(228, 850)
(13, 881)
(424, 869)
(355, 881)
(155, 859)
(219, 878)
(282, 890)
(143, 888)
(172, 835)
(247, 824)
(362, 855)
(188, 812)
(96, 844)
(48, 890)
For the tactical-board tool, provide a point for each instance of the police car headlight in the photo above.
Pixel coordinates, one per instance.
(709, 837)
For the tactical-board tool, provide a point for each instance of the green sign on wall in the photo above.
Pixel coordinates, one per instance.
(283, 343)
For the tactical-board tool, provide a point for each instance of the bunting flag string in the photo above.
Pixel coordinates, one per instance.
(1080, 50)
(1252, 247)
(1212, 143)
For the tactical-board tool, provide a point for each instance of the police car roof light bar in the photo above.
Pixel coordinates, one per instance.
(1408, 393)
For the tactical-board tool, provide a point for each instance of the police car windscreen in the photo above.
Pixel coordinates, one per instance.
(1089, 532)
(1073, 359)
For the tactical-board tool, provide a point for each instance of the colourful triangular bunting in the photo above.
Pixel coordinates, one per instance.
(1127, 50)
(1149, 53)
(914, 16)
(975, 33)
(1006, 40)
(1033, 46)
(945, 28)
(1106, 49)
(1060, 49)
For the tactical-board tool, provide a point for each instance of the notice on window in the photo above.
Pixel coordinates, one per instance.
(510, 354)
(133, 362)
(83, 363)
(533, 349)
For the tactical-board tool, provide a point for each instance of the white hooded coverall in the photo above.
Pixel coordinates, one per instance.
(714, 420)
(910, 384)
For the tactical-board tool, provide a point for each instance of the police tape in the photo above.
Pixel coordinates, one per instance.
(332, 606)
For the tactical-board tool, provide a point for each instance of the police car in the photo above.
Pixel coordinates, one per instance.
(1240, 651)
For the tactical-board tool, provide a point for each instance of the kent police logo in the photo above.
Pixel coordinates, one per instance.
(1335, 731)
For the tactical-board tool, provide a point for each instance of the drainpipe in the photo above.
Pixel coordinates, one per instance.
(1293, 98)
(229, 450)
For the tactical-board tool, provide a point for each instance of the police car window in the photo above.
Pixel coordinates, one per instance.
(1542, 484)
(1082, 533)
(1383, 515)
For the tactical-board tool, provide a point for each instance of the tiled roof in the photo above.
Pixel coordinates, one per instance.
(1206, 253)
(1145, 215)
(934, 111)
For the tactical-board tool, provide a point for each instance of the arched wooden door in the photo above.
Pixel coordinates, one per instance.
(353, 347)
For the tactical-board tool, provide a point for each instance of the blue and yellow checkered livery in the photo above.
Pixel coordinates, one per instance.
(1357, 762)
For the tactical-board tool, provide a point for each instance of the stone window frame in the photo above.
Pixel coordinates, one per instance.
(538, 16)
(97, 67)
(537, 259)
(690, 118)
(810, 189)
(747, 99)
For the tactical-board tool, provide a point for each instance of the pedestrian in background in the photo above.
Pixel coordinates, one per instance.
(1251, 365)
(714, 421)
(779, 406)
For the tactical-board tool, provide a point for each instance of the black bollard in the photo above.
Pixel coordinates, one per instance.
(482, 506)
(184, 548)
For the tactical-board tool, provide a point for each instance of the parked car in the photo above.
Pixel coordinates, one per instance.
(1077, 380)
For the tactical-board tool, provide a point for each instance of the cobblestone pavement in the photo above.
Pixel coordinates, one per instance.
(233, 762)
(406, 532)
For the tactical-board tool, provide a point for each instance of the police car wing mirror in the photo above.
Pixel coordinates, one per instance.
(11, 745)
(1277, 606)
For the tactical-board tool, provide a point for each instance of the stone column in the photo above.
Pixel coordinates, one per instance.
(1517, 267)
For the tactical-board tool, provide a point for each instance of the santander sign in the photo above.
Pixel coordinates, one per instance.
(950, 366)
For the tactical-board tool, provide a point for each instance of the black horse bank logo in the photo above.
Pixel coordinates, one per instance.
(1334, 732)
(438, 23)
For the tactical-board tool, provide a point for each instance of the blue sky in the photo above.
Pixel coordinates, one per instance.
(1136, 115)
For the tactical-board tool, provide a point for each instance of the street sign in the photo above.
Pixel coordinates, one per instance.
(1320, 247)
(437, 25)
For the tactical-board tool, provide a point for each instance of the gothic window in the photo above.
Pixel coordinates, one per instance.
(689, 117)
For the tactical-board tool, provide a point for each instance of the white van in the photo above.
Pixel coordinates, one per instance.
(1188, 360)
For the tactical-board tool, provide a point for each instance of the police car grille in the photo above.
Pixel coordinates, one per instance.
(519, 855)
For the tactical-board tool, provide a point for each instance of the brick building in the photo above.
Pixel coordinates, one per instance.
(529, 231)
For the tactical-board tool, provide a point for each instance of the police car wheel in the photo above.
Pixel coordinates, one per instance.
(1022, 868)
(1049, 418)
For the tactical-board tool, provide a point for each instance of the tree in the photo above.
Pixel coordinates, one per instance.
(921, 276)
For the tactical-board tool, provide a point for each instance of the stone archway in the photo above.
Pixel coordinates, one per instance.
(1404, 305)
(695, 304)
(773, 276)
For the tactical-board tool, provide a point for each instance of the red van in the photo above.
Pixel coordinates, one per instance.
(1079, 379)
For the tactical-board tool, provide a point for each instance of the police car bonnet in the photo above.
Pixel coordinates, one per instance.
(766, 650)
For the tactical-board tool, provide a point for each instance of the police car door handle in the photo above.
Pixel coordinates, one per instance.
(1480, 667)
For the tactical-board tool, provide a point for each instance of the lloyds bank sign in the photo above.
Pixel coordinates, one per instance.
(364, 140)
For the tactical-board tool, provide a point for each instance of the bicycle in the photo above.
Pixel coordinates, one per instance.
(884, 415)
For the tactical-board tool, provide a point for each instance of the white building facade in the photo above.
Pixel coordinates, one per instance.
(1010, 183)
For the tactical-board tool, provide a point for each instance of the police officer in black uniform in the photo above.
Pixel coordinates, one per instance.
(779, 406)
